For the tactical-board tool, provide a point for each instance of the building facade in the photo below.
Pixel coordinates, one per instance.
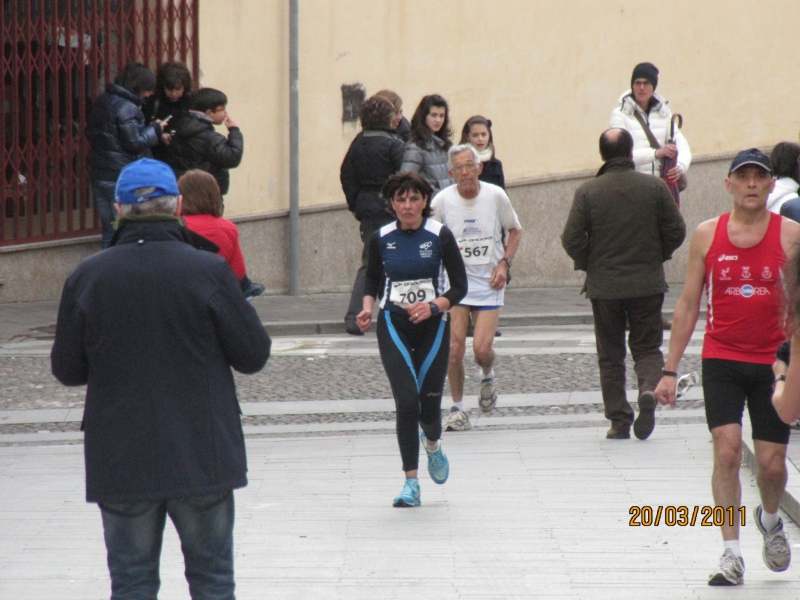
(546, 73)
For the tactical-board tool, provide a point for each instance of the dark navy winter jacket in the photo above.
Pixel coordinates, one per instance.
(117, 133)
(197, 145)
(153, 326)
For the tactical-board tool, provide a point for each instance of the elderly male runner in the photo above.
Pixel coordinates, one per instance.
(479, 214)
(738, 258)
(153, 325)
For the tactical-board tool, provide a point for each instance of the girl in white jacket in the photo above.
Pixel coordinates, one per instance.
(653, 109)
(785, 169)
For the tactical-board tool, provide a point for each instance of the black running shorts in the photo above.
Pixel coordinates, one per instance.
(727, 384)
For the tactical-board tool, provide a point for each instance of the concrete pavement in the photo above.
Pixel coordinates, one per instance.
(537, 505)
(525, 514)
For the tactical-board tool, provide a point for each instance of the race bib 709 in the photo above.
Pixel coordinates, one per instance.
(406, 293)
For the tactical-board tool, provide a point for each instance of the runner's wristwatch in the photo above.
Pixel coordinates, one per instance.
(434, 308)
(508, 261)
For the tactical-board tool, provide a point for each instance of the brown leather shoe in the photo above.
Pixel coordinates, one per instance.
(618, 434)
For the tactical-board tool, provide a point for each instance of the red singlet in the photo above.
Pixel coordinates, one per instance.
(745, 296)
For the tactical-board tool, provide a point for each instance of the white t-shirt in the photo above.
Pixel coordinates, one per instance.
(478, 226)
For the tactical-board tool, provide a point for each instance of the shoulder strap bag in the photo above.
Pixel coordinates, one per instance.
(683, 182)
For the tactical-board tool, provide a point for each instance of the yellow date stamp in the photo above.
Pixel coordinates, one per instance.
(683, 516)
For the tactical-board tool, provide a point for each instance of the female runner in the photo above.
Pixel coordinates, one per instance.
(406, 258)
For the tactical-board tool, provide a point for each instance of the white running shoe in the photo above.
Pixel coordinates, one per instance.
(731, 570)
(457, 420)
(777, 553)
(487, 399)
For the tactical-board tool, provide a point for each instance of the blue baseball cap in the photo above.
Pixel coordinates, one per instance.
(753, 156)
(144, 179)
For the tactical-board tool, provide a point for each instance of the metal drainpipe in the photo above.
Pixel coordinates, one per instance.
(294, 153)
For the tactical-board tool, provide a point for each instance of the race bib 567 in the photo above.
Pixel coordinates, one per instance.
(476, 250)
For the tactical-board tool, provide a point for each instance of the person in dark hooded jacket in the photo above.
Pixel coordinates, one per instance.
(197, 145)
(374, 155)
(118, 135)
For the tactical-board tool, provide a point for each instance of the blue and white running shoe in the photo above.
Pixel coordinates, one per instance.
(438, 465)
(410, 495)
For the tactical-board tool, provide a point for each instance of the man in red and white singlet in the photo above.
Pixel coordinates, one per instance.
(738, 258)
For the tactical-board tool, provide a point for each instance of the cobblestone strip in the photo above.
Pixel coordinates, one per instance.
(26, 381)
(271, 435)
(360, 417)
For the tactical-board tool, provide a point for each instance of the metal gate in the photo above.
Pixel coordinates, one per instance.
(57, 57)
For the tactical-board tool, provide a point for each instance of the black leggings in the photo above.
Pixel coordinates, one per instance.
(415, 359)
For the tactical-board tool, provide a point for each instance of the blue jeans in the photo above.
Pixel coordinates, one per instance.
(134, 532)
(104, 192)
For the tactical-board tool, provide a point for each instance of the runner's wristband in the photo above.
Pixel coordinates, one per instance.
(780, 378)
(669, 374)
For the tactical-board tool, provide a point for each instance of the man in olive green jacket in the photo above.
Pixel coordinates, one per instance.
(622, 227)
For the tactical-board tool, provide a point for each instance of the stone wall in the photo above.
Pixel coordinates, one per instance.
(331, 247)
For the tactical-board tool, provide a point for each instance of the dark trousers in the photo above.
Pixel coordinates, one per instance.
(104, 192)
(415, 358)
(368, 226)
(645, 338)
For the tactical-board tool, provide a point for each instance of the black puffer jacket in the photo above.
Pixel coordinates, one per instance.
(153, 326)
(117, 133)
(493, 173)
(373, 156)
(160, 110)
(197, 145)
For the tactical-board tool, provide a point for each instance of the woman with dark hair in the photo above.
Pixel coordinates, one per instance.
(173, 88)
(477, 132)
(171, 105)
(405, 260)
(374, 155)
(784, 158)
(430, 138)
(118, 135)
(202, 212)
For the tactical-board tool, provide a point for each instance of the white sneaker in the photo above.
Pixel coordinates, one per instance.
(457, 420)
(487, 399)
(777, 553)
(731, 570)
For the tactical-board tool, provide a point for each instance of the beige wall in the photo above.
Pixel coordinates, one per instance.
(244, 51)
(547, 72)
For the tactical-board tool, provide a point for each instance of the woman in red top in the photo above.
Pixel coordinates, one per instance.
(202, 213)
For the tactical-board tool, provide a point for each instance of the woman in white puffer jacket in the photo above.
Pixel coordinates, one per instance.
(642, 98)
(785, 170)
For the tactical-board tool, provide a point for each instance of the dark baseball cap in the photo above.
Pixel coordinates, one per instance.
(144, 179)
(753, 156)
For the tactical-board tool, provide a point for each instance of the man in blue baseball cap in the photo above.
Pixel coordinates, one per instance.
(738, 257)
(152, 326)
